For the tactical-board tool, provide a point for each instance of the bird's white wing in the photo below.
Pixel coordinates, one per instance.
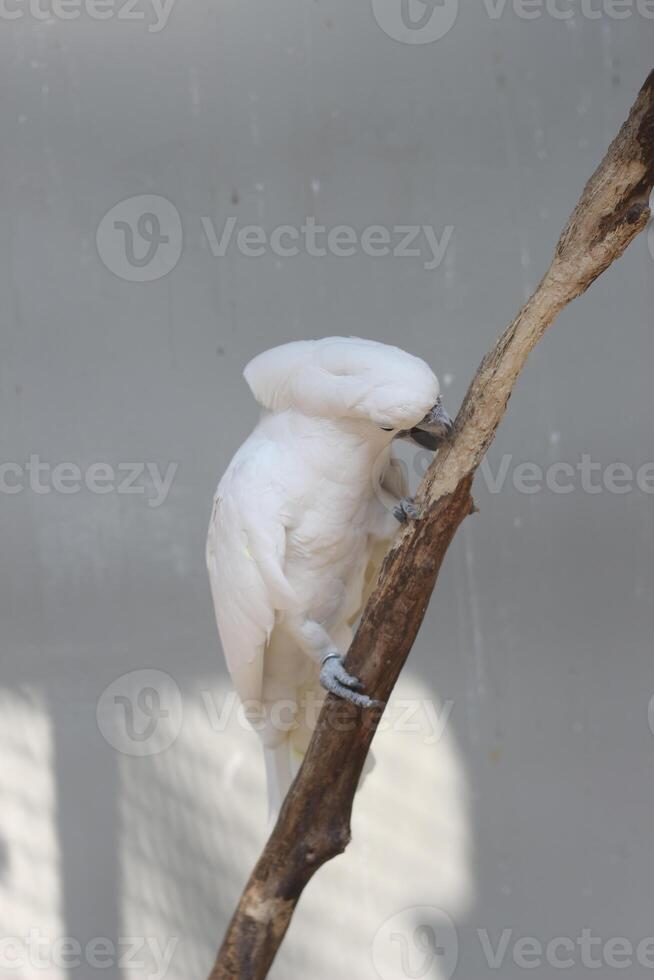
(394, 482)
(246, 547)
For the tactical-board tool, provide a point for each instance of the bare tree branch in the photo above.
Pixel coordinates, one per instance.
(314, 824)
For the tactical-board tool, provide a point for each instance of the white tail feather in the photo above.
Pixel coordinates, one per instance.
(279, 776)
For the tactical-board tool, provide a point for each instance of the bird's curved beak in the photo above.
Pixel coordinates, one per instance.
(434, 429)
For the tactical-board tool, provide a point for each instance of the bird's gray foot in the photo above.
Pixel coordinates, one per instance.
(406, 510)
(335, 678)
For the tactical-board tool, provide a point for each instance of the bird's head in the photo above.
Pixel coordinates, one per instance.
(380, 386)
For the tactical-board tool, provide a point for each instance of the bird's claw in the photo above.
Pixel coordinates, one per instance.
(335, 678)
(406, 510)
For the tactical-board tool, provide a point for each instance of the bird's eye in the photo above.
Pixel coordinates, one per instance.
(385, 428)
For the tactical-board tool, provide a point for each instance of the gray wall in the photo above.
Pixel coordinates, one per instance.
(533, 811)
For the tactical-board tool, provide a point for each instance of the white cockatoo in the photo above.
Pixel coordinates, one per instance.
(301, 521)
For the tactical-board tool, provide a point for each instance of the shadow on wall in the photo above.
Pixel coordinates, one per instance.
(181, 829)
